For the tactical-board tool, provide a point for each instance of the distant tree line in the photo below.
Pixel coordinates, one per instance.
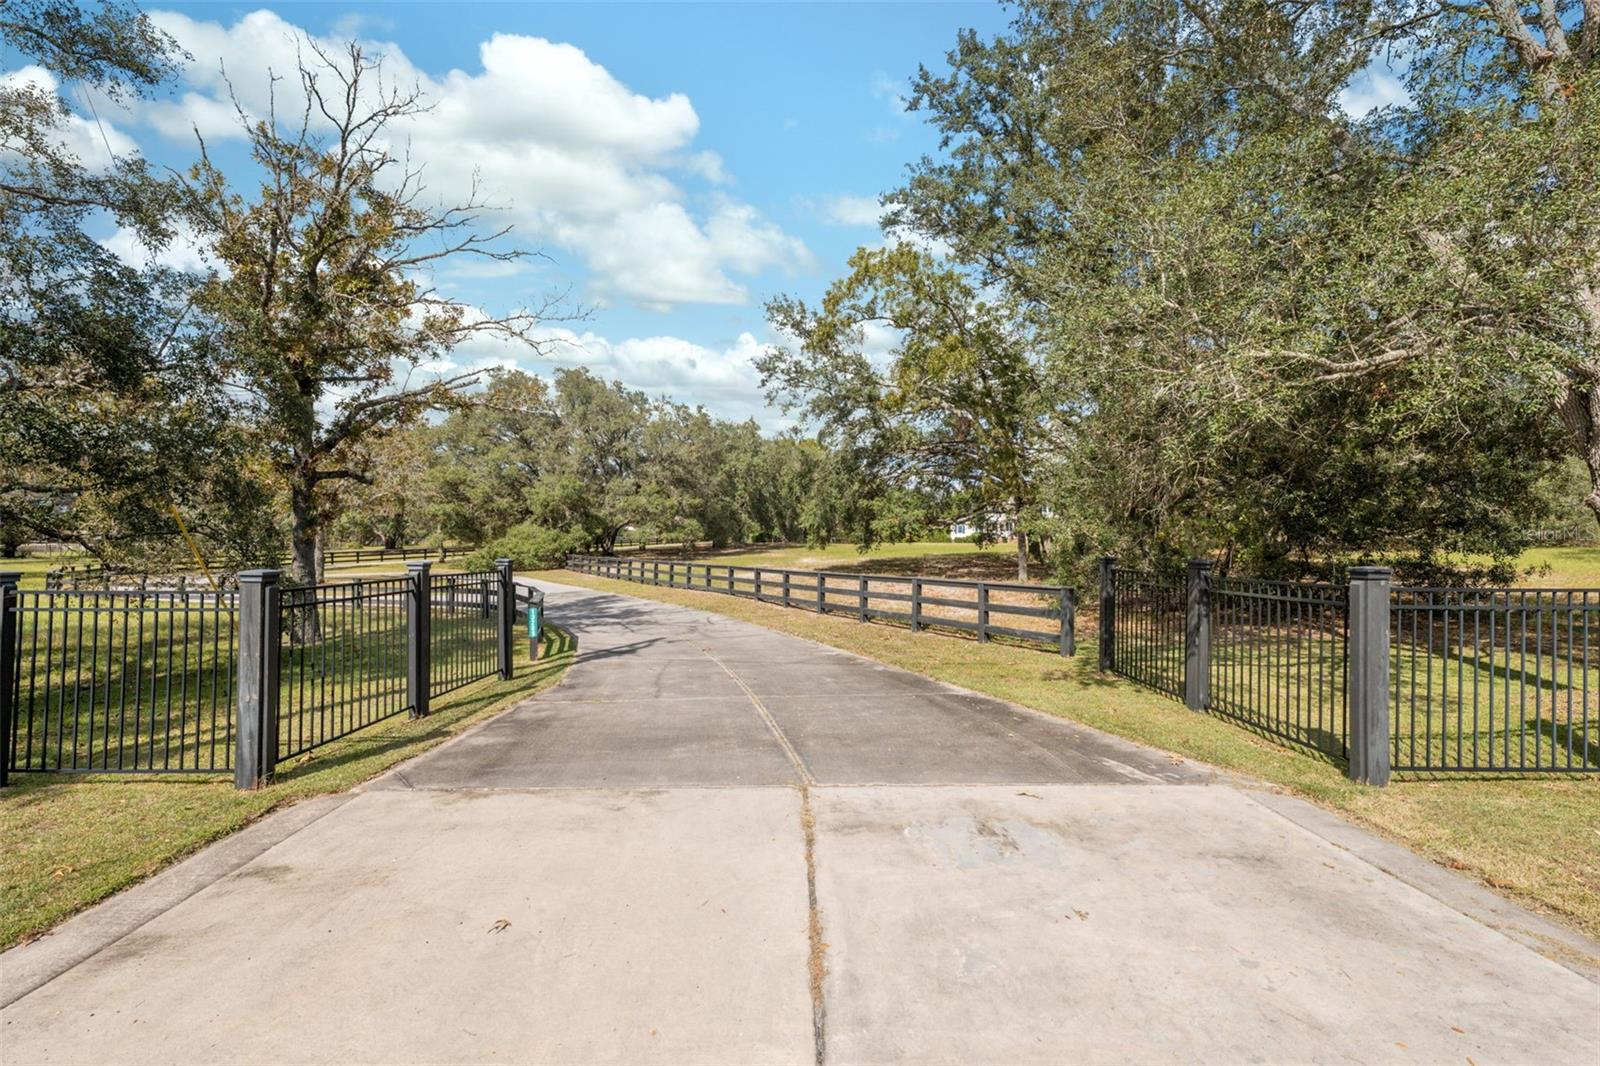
(532, 470)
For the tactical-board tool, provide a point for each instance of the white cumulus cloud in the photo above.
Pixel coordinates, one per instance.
(184, 252)
(1376, 87)
(853, 210)
(92, 142)
(574, 157)
(724, 380)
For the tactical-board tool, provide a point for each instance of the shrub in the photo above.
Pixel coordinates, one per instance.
(529, 546)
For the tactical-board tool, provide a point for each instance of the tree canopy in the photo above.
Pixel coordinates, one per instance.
(955, 407)
(1267, 326)
(111, 409)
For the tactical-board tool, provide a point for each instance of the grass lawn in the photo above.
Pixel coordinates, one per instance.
(1576, 568)
(33, 567)
(1537, 841)
(69, 841)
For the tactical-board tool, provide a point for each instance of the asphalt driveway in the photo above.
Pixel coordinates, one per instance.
(714, 842)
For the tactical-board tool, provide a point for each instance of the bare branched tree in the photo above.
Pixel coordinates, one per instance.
(324, 294)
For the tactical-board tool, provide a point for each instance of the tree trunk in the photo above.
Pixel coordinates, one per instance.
(303, 535)
(1022, 554)
(394, 531)
(1580, 408)
(1591, 461)
(1580, 412)
(305, 566)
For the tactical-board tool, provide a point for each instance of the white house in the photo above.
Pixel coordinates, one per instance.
(1002, 525)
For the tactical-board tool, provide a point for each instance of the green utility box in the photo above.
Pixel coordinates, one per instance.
(535, 624)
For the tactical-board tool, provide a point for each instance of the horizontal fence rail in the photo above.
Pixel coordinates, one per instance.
(346, 556)
(168, 682)
(99, 576)
(119, 682)
(105, 579)
(1495, 680)
(1031, 614)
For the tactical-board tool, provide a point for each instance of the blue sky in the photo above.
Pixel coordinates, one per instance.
(678, 162)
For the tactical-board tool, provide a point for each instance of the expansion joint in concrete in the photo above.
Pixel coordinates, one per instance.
(799, 764)
(815, 964)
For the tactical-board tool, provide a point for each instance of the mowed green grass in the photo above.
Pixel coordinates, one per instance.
(1537, 841)
(34, 567)
(71, 840)
(1575, 568)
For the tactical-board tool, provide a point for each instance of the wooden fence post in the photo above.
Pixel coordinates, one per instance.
(983, 613)
(1069, 610)
(916, 605)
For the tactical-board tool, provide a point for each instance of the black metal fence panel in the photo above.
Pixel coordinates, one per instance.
(1278, 659)
(1495, 680)
(464, 633)
(153, 681)
(1149, 625)
(342, 660)
(1454, 681)
(1031, 614)
(122, 682)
